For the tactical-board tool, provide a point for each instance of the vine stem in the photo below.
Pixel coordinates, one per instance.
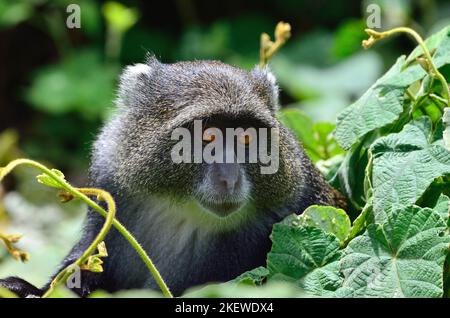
(110, 220)
(431, 69)
(65, 273)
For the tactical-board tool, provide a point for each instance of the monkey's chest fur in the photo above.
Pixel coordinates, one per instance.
(185, 253)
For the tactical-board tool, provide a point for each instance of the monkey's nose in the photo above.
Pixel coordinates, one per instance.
(228, 183)
(228, 176)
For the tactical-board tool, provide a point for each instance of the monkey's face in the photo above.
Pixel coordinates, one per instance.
(227, 146)
(231, 164)
(204, 132)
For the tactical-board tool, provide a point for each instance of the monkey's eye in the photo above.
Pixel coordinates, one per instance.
(210, 134)
(245, 139)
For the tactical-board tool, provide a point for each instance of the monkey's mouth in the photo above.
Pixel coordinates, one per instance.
(221, 209)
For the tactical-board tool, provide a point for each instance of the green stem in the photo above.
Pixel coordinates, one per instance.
(77, 193)
(65, 273)
(410, 95)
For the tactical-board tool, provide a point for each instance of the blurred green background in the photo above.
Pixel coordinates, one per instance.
(57, 85)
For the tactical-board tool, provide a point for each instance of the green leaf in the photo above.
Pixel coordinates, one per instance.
(13, 12)
(403, 257)
(349, 178)
(302, 126)
(316, 138)
(348, 38)
(326, 144)
(305, 250)
(327, 218)
(439, 43)
(301, 254)
(49, 181)
(306, 254)
(330, 167)
(322, 281)
(443, 207)
(405, 164)
(382, 103)
(68, 86)
(296, 251)
(255, 277)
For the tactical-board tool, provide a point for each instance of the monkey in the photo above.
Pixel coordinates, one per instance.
(199, 222)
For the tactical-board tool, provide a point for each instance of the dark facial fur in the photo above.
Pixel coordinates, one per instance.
(168, 206)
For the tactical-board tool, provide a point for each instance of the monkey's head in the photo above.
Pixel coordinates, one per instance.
(171, 117)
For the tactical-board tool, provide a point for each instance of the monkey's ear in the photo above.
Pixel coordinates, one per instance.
(267, 86)
(134, 82)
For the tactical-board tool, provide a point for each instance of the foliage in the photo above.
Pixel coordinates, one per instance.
(67, 87)
(388, 153)
(398, 244)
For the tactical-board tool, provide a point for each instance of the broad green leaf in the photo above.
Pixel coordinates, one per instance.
(327, 218)
(307, 255)
(302, 126)
(254, 277)
(443, 207)
(302, 254)
(349, 178)
(403, 257)
(322, 281)
(382, 103)
(405, 164)
(305, 251)
(296, 251)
